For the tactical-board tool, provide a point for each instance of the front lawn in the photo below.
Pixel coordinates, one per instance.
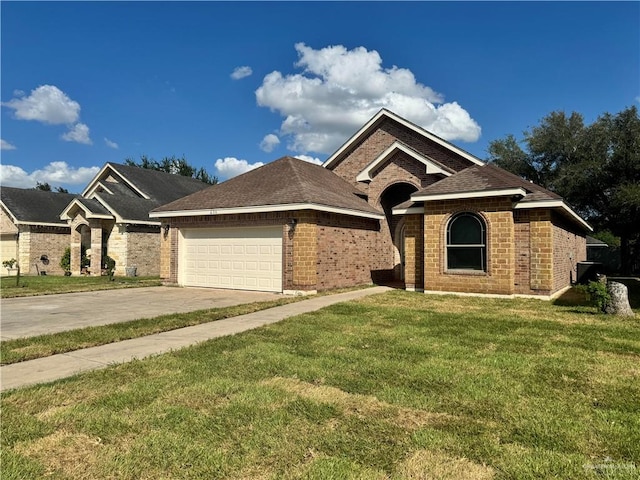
(49, 284)
(398, 386)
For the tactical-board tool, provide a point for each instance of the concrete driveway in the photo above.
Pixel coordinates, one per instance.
(30, 316)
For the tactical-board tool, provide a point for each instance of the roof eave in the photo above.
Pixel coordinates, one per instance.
(266, 208)
(554, 204)
(503, 192)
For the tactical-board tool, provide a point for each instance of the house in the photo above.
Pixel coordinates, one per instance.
(395, 203)
(31, 230)
(111, 217)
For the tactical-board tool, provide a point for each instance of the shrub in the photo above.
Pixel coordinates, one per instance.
(65, 261)
(597, 294)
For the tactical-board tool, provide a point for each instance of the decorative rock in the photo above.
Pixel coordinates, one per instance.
(619, 304)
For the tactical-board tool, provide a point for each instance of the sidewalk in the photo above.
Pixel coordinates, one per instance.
(67, 364)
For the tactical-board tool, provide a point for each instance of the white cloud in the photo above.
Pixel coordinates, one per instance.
(231, 166)
(47, 104)
(309, 159)
(55, 174)
(269, 143)
(4, 145)
(339, 90)
(78, 133)
(110, 143)
(241, 72)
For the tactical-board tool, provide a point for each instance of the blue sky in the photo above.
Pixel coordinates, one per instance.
(233, 85)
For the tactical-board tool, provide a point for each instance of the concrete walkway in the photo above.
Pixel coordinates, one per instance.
(67, 364)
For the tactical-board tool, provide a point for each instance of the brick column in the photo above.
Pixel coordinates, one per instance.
(414, 252)
(96, 248)
(305, 252)
(76, 241)
(541, 245)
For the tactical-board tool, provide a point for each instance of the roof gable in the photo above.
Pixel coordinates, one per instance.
(129, 193)
(382, 116)
(431, 166)
(284, 184)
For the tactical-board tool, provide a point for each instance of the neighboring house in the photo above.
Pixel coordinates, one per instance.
(394, 204)
(31, 230)
(111, 217)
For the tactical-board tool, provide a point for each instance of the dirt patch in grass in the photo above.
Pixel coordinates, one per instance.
(360, 405)
(427, 465)
(73, 454)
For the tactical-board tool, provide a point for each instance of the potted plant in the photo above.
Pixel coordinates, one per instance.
(9, 265)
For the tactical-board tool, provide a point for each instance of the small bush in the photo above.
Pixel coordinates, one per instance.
(597, 294)
(65, 261)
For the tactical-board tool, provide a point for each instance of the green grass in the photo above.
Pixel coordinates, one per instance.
(49, 284)
(397, 386)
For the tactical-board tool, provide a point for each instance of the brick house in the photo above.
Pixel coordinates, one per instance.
(111, 217)
(395, 204)
(31, 230)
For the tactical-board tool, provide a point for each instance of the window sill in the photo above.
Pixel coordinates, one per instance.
(476, 273)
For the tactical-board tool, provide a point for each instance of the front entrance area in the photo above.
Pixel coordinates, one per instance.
(237, 258)
(393, 229)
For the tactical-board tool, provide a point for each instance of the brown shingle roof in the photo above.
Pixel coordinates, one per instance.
(284, 181)
(479, 178)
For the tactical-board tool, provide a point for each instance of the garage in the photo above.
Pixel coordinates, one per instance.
(238, 258)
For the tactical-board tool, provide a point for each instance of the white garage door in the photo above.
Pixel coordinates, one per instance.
(240, 258)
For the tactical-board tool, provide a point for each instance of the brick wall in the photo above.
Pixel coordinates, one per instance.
(541, 251)
(569, 248)
(117, 247)
(499, 277)
(143, 249)
(348, 251)
(35, 241)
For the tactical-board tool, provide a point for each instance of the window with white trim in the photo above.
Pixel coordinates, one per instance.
(467, 243)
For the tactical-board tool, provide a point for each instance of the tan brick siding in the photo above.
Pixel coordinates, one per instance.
(414, 252)
(143, 250)
(36, 241)
(499, 277)
(523, 252)
(541, 251)
(569, 248)
(305, 252)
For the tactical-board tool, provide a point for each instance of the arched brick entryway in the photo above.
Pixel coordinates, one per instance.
(392, 230)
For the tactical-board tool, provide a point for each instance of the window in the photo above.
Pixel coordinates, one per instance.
(466, 243)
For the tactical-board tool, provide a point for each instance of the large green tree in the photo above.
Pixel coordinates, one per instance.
(174, 165)
(596, 168)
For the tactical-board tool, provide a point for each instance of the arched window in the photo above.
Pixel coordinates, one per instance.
(466, 243)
